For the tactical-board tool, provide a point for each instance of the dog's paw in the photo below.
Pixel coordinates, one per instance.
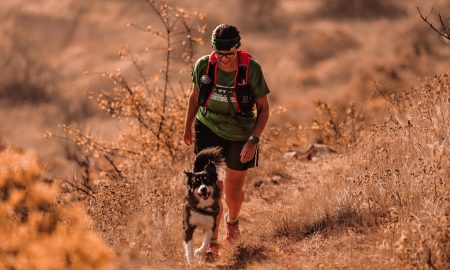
(199, 251)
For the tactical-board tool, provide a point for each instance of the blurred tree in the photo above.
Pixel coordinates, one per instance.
(360, 9)
(24, 76)
(260, 14)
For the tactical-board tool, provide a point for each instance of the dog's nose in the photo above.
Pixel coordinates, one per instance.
(203, 190)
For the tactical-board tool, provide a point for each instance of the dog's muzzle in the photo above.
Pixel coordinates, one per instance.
(203, 192)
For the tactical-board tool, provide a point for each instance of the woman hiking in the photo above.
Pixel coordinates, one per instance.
(229, 106)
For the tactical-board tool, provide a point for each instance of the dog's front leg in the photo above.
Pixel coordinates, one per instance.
(188, 243)
(188, 250)
(207, 234)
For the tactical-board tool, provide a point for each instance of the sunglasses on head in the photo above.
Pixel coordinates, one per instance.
(226, 54)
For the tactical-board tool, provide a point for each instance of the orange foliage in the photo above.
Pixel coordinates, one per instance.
(36, 232)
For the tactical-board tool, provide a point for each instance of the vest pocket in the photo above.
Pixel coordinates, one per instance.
(245, 97)
(205, 91)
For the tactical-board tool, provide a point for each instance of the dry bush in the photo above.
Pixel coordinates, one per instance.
(395, 181)
(135, 192)
(404, 173)
(360, 9)
(36, 232)
(339, 127)
(141, 217)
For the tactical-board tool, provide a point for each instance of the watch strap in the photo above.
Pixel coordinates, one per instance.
(254, 139)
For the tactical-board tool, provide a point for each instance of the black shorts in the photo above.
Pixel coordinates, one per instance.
(231, 150)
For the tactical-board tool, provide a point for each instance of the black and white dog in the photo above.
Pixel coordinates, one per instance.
(202, 199)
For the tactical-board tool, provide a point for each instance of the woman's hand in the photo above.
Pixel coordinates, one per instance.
(248, 151)
(188, 137)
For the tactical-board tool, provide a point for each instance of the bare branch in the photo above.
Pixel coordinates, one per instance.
(148, 29)
(443, 26)
(190, 50)
(157, 11)
(444, 32)
(171, 27)
(116, 169)
(139, 114)
(83, 162)
(140, 27)
(140, 71)
(77, 187)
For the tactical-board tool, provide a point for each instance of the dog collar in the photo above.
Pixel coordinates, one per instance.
(203, 211)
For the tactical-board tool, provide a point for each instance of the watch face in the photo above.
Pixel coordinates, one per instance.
(254, 139)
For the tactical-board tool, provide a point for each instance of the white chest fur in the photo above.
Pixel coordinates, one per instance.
(205, 203)
(201, 220)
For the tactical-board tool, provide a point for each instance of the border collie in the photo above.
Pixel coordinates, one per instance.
(202, 199)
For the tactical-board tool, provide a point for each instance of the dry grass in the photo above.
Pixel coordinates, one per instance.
(140, 217)
(395, 183)
(37, 233)
(384, 204)
(381, 202)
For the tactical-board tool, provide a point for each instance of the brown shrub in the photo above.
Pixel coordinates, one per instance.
(404, 173)
(140, 215)
(395, 181)
(36, 232)
(137, 193)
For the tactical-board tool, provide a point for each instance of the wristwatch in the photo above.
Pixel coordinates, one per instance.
(254, 139)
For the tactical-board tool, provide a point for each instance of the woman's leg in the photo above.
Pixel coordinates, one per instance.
(234, 194)
(219, 216)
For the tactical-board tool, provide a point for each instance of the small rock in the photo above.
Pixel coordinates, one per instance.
(291, 154)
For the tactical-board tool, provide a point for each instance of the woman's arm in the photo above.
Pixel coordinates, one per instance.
(191, 111)
(262, 109)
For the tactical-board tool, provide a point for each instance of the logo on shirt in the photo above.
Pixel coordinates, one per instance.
(223, 93)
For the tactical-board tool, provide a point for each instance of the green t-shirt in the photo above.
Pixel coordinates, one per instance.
(218, 117)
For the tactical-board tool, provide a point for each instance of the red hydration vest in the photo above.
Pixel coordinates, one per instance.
(242, 93)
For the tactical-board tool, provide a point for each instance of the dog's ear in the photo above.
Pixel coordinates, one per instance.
(189, 176)
(210, 168)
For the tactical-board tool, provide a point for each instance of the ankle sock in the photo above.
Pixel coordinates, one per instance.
(232, 220)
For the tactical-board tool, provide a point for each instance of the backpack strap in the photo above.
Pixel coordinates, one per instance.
(208, 81)
(243, 63)
(241, 78)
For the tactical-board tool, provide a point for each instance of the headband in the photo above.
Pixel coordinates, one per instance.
(224, 44)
